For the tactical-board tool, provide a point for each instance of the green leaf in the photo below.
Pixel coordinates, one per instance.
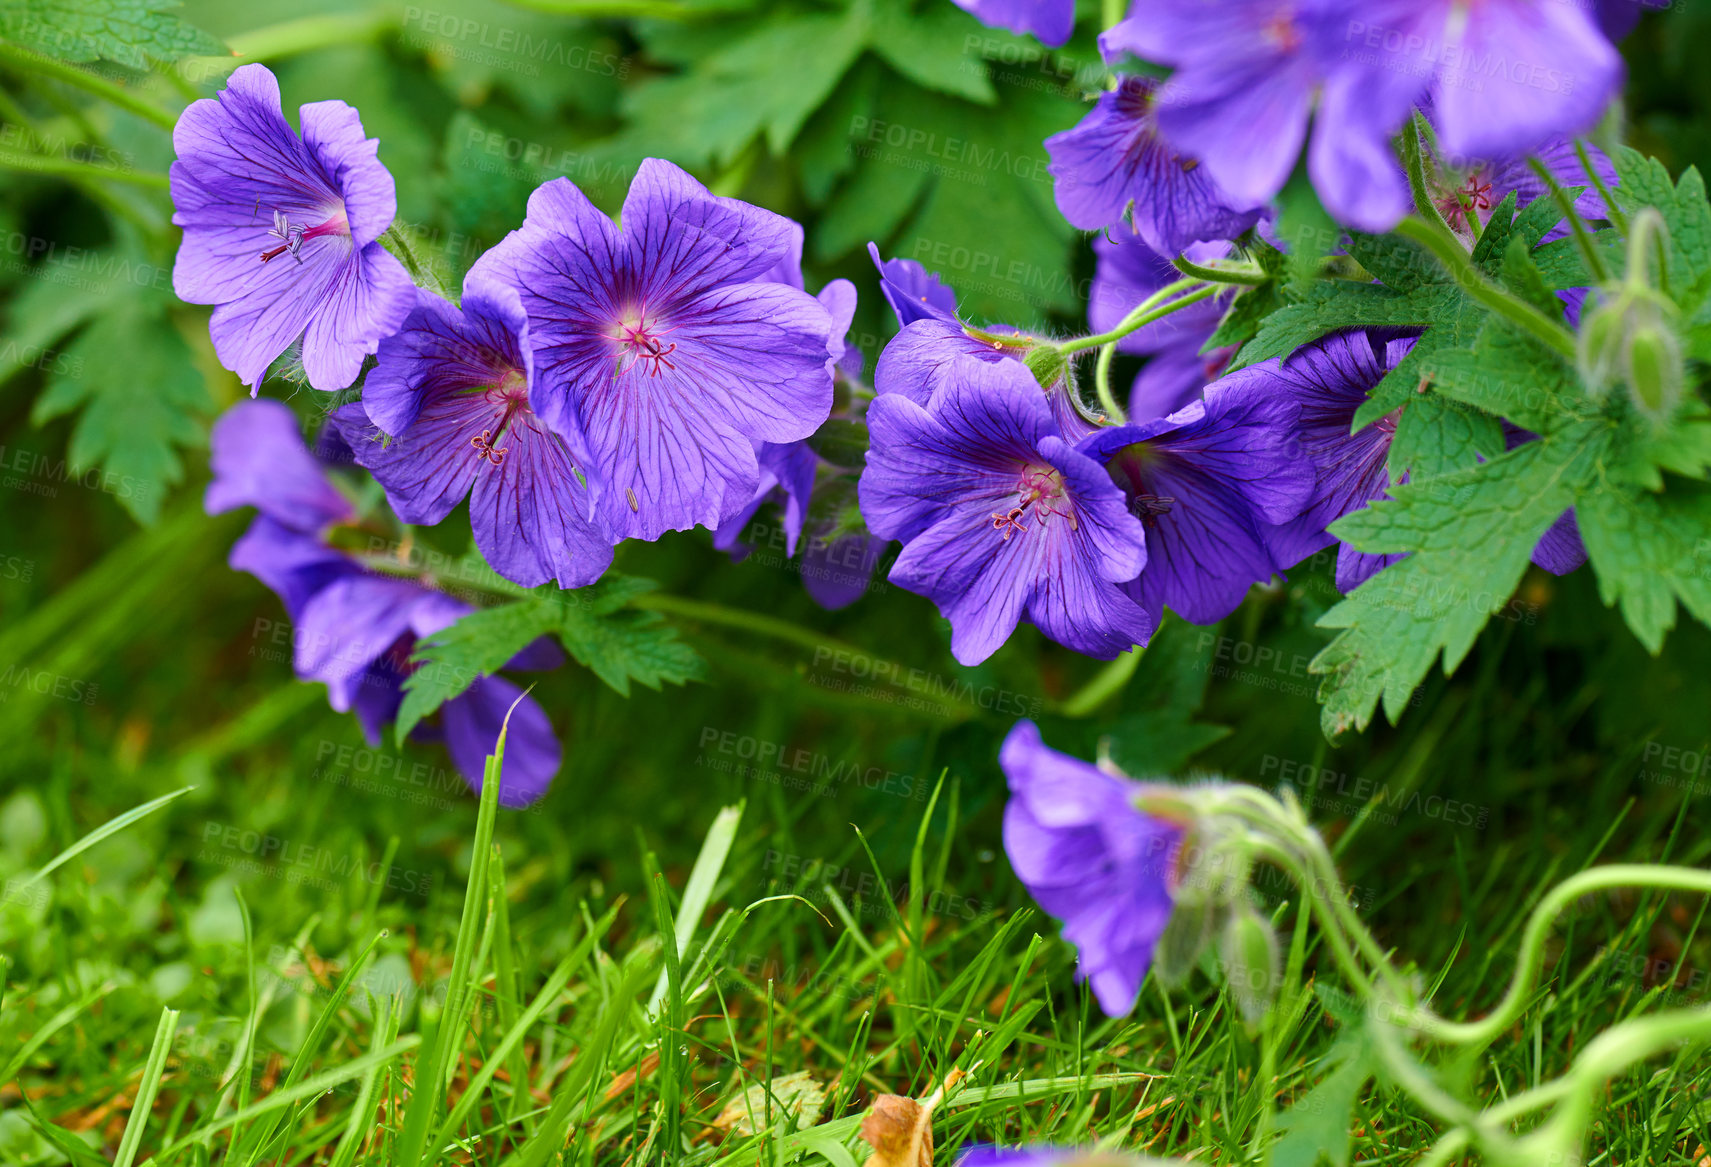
(1649, 551)
(131, 374)
(1687, 214)
(131, 32)
(767, 83)
(1509, 374)
(1435, 436)
(476, 646)
(1470, 535)
(595, 624)
(930, 48)
(1248, 311)
(1157, 732)
(1317, 1126)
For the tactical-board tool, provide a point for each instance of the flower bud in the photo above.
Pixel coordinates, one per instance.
(1249, 950)
(1654, 370)
(1600, 345)
(1047, 363)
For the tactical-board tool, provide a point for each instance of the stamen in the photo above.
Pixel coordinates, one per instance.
(484, 448)
(1040, 490)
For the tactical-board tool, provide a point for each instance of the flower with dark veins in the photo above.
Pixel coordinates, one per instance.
(664, 351)
(280, 232)
(1001, 519)
(454, 389)
(1114, 164)
(1207, 483)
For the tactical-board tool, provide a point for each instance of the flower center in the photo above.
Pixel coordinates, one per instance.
(1280, 30)
(511, 396)
(294, 234)
(1470, 196)
(639, 340)
(1040, 489)
(1129, 470)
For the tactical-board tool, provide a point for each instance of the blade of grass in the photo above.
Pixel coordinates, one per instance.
(425, 1101)
(699, 890)
(147, 1088)
(105, 831)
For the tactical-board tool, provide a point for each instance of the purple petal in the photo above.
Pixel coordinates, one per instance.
(913, 293)
(532, 754)
(1520, 73)
(259, 459)
(1050, 21)
(1114, 158)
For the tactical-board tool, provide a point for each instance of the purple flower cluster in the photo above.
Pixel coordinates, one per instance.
(595, 383)
(1199, 156)
(356, 627)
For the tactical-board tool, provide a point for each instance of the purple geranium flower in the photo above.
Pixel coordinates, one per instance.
(665, 350)
(1208, 482)
(1487, 184)
(932, 339)
(1042, 1156)
(454, 388)
(1128, 272)
(1248, 74)
(1510, 74)
(1001, 519)
(912, 291)
(1113, 164)
(1090, 857)
(280, 232)
(1051, 21)
(356, 629)
(1617, 18)
(1331, 379)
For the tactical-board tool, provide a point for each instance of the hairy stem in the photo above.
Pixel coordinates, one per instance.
(1155, 307)
(1448, 250)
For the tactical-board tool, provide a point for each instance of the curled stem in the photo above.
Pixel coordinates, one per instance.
(1155, 307)
(1248, 274)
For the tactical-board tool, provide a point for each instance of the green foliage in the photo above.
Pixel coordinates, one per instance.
(131, 32)
(141, 400)
(596, 625)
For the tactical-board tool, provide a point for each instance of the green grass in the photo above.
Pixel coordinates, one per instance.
(263, 968)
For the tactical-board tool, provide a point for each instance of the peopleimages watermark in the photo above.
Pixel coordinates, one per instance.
(1321, 787)
(873, 677)
(33, 472)
(1677, 767)
(46, 683)
(246, 849)
(727, 752)
(503, 46)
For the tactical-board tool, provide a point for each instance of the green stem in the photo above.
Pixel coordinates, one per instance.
(1102, 384)
(71, 168)
(420, 271)
(1531, 957)
(1247, 274)
(1155, 307)
(307, 33)
(1106, 682)
(1414, 156)
(1443, 244)
(1582, 237)
(1617, 215)
(89, 83)
(1111, 13)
